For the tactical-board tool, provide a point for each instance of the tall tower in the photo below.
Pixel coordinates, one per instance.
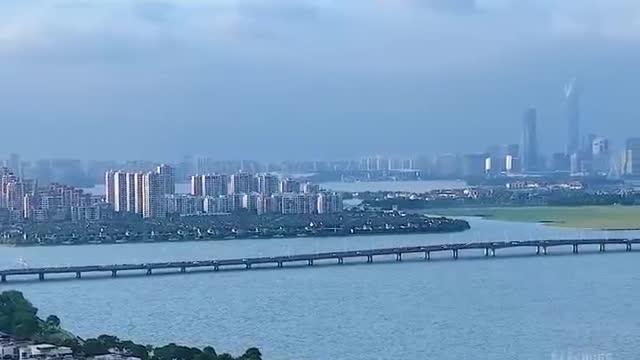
(572, 97)
(529, 145)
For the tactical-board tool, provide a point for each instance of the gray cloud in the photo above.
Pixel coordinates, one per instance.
(199, 75)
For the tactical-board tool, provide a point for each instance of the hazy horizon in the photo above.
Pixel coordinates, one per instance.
(308, 79)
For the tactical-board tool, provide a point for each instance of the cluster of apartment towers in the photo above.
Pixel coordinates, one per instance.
(153, 194)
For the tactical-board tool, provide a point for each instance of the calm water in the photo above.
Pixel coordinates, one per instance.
(413, 186)
(509, 307)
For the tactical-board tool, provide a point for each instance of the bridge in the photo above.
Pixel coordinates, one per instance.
(540, 246)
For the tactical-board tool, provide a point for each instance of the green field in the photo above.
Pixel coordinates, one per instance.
(584, 217)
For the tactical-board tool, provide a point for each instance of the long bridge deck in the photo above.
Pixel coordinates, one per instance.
(489, 248)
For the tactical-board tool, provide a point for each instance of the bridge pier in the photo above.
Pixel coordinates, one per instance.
(41, 276)
(3, 278)
(628, 247)
(340, 260)
(279, 264)
(78, 275)
(217, 267)
(486, 251)
(544, 250)
(114, 273)
(602, 247)
(369, 259)
(149, 271)
(399, 257)
(574, 248)
(248, 266)
(493, 252)
(310, 262)
(455, 254)
(427, 255)
(538, 250)
(183, 269)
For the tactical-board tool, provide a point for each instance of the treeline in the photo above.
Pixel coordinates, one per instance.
(18, 317)
(559, 198)
(104, 344)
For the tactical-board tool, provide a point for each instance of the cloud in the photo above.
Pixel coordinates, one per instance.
(356, 35)
(455, 6)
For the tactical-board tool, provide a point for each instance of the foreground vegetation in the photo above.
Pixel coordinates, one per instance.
(613, 217)
(18, 317)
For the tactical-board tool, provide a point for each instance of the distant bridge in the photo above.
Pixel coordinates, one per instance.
(489, 248)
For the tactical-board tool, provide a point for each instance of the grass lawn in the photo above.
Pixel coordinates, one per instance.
(613, 217)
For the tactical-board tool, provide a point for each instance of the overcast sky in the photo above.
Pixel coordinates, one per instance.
(291, 79)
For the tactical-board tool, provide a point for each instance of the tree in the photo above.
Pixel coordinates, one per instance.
(209, 351)
(252, 354)
(25, 325)
(94, 347)
(109, 341)
(53, 320)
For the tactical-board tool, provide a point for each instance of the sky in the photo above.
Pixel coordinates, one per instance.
(309, 79)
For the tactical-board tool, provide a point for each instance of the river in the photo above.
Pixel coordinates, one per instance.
(508, 307)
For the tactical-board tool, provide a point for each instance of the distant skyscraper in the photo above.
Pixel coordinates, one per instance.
(15, 164)
(529, 146)
(560, 162)
(572, 97)
(168, 178)
(601, 155)
(474, 165)
(632, 157)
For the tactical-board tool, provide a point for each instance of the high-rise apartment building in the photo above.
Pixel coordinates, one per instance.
(309, 188)
(168, 179)
(109, 187)
(289, 186)
(131, 192)
(329, 203)
(196, 185)
(153, 196)
(241, 183)
(138, 192)
(120, 191)
(215, 184)
(267, 184)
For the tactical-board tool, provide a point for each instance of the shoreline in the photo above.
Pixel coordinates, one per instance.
(193, 240)
(587, 218)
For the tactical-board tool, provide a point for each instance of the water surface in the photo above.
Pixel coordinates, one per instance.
(510, 307)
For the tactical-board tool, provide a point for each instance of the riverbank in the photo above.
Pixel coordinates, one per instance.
(610, 217)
